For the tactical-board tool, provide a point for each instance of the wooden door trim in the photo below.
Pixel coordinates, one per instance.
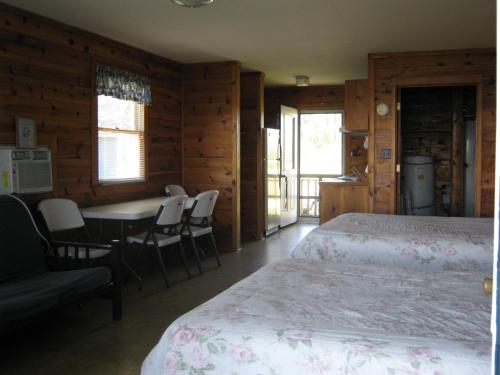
(371, 133)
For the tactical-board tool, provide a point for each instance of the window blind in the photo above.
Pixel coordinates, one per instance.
(120, 140)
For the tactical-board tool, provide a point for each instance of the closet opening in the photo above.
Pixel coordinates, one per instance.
(437, 129)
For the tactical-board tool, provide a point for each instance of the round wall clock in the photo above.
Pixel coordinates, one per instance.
(382, 109)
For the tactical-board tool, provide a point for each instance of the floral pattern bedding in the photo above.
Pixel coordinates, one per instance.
(311, 317)
(442, 243)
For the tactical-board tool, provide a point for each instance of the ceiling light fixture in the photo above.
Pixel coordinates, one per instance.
(192, 3)
(301, 81)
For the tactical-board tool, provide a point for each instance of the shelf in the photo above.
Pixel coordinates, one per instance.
(354, 132)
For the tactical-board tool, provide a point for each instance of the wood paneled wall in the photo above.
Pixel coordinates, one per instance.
(392, 70)
(252, 166)
(211, 136)
(46, 74)
(301, 98)
(356, 105)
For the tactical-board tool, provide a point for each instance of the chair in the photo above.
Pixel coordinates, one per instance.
(62, 216)
(198, 223)
(164, 231)
(174, 190)
(27, 287)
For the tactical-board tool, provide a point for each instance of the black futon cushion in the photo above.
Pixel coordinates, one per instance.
(22, 250)
(28, 296)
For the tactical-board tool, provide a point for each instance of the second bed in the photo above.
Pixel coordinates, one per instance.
(442, 243)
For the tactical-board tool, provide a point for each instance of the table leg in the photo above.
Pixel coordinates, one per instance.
(124, 248)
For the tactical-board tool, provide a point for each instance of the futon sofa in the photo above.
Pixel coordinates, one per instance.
(27, 287)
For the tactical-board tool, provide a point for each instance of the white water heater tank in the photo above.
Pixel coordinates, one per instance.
(418, 184)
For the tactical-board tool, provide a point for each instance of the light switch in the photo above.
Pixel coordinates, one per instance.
(385, 153)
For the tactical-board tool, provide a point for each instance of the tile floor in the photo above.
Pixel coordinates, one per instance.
(86, 341)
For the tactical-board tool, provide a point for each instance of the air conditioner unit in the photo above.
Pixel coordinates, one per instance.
(25, 171)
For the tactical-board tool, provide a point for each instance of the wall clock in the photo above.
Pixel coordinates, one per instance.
(382, 109)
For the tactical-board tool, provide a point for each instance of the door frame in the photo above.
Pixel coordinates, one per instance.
(437, 81)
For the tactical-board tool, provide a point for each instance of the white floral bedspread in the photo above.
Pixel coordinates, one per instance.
(443, 243)
(310, 317)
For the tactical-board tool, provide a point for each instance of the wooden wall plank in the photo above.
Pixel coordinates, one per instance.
(457, 153)
(211, 142)
(356, 105)
(252, 163)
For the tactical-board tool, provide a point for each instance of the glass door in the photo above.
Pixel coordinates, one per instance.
(289, 165)
(273, 172)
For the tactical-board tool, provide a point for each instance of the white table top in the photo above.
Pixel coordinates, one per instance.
(133, 210)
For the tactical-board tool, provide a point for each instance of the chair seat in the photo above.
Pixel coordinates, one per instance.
(163, 239)
(197, 231)
(82, 252)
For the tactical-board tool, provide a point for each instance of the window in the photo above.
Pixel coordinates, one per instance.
(120, 140)
(321, 143)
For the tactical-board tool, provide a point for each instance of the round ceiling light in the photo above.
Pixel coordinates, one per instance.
(192, 3)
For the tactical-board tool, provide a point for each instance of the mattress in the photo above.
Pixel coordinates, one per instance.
(439, 243)
(312, 317)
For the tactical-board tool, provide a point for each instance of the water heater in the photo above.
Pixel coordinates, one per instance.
(417, 185)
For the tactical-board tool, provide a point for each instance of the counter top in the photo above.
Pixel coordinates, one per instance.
(337, 181)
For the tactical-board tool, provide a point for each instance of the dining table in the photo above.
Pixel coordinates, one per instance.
(128, 211)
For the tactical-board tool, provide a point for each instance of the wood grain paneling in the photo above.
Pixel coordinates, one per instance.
(211, 137)
(46, 74)
(301, 98)
(252, 167)
(457, 143)
(356, 105)
(337, 198)
(441, 68)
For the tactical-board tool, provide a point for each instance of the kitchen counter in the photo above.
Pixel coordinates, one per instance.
(334, 181)
(337, 197)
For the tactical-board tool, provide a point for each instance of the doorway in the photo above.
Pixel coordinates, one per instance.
(321, 155)
(436, 150)
(305, 150)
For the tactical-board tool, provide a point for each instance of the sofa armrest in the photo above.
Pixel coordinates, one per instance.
(85, 245)
(75, 248)
(114, 247)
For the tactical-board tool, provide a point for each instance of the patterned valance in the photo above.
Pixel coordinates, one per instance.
(123, 85)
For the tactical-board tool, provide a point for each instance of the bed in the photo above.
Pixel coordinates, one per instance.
(439, 243)
(303, 316)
